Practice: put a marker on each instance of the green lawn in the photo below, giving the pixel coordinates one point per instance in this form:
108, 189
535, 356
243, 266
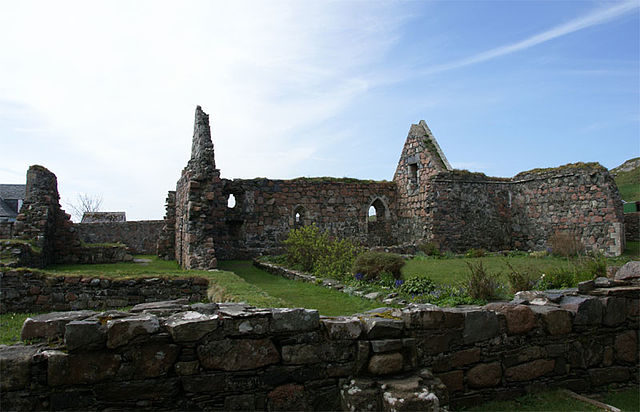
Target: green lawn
300, 294
10, 327
629, 185
626, 400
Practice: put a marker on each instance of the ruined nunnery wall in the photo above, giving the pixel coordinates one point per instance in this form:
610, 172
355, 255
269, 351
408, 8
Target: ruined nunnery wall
427, 201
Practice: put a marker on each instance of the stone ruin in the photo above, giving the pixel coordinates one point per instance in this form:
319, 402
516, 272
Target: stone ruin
176, 356
427, 201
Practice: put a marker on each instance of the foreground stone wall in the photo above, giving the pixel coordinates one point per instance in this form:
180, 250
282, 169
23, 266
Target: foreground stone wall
6, 230
171, 355
140, 237
632, 226
28, 291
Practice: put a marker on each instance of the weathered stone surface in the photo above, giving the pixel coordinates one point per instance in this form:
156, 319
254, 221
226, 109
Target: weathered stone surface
139, 390
288, 320
423, 316
187, 368
480, 325
454, 380
360, 395
386, 363
626, 347
238, 354
121, 331
191, 326
247, 325
343, 328
81, 368
301, 354
588, 310
85, 335
615, 311
166, 305
289, 397
520, 355
556, 321
409, 394
485, 375
629, 271
606, 376
15, 366
380, 328
520, 319
530, 370
50, 325
386, 345
240, 403
154, 359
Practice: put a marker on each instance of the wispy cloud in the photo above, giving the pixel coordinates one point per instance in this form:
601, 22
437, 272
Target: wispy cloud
596, 17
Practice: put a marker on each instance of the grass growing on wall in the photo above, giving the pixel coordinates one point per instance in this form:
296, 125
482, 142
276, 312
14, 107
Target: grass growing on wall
300, 294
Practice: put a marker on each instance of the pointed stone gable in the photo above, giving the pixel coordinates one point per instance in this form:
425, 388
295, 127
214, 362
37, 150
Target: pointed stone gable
420, 149
202, 153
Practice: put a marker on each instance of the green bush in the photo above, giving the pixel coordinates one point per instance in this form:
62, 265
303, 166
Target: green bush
475, 253
417, 285
372, 264
429, 249
558, 279
521, 279
481, 284
312, 250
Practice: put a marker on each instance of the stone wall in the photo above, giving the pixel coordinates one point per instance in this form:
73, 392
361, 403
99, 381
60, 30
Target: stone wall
632, 226
470, 210
140, 237
28, 291
166, 247
6, 230
171, 355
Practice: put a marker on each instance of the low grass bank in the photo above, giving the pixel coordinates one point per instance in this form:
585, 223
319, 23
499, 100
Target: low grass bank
299, 294
10, 327
625, 400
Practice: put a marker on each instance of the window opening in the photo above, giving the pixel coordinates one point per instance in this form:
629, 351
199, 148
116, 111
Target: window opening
413, 173
231, 201
372, 214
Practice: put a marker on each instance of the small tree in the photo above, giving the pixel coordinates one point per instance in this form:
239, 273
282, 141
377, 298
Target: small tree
84, 203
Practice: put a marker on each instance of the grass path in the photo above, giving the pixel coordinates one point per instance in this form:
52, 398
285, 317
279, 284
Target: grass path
299, 294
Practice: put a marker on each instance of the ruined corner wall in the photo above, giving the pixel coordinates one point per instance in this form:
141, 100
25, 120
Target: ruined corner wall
420, 160
166, 246
175, 356
140, 237
266, 210
470, 210
42, 220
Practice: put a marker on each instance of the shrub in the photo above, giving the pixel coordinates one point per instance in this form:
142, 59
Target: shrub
520, 279
596, 265
564, 243
336, 258
481, 284
303, 245
475, 253
558, 279
372, 264
417, 285
539, 254
429, 248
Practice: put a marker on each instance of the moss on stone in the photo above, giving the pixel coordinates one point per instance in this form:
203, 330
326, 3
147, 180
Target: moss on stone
592, 166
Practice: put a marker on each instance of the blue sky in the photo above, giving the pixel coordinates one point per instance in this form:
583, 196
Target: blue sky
103, 94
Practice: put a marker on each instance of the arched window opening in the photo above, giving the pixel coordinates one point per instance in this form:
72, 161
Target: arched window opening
373, 216
231, 201
298, 217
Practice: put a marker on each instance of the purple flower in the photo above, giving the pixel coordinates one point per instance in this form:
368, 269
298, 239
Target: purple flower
399, 283
359, 276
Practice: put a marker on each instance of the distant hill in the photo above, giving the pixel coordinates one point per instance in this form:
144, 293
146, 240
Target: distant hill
627, 177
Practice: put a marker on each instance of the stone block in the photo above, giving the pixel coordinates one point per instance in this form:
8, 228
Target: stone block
480, 325
342, 328
386, 363
290, 397
301, 354
191, 326
360, 395
485, 375
294, 320
238, 354
81, 368
454, 380
626, 347
204, 383
15, 366
606, 376
408, 394
556, 321
50, 325
529, 371
165, 389
433, 343
520, 318
423, 316
121, 331
240, 403
85, 335
246, 325
588, 310
187, 368
615, 311
386, 345
525, 354
154, 359
629, 271
380, 328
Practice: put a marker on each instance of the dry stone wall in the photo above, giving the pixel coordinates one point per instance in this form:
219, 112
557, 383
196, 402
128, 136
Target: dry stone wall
140, 237
171, 355
6, 230
632, 226
28, 291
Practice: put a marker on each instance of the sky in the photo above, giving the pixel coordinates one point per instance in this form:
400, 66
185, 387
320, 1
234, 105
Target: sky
103, 94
